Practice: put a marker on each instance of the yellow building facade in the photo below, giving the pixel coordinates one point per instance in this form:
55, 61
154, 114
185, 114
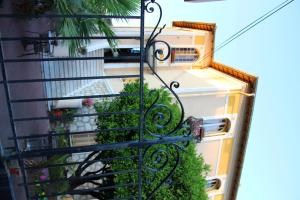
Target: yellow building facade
220, 95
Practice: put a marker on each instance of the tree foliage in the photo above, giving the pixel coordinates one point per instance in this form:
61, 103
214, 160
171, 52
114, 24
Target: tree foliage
187, 182
80, 26
86, 27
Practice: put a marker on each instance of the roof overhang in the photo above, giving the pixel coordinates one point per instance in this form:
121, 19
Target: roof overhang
245, 129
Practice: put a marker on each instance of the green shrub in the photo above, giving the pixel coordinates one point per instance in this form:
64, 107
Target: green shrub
57, 173
188, 181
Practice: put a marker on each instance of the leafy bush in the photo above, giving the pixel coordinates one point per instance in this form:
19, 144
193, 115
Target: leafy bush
57, 173
64, 115
187, 183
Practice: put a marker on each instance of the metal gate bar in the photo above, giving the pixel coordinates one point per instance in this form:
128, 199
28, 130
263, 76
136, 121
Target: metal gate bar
9, 106
11, 101
141, 125
141, 144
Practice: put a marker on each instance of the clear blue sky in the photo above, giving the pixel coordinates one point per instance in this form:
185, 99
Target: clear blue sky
271, 51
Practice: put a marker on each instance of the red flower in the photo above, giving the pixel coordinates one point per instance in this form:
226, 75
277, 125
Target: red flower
14, 171
57, 113
88, 102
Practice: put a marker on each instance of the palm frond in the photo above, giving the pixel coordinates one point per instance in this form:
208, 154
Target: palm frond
113, 7
105, 28
78, 27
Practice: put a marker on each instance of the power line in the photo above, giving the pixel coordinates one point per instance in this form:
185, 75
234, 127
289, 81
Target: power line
253, 24
255, 21
250, 26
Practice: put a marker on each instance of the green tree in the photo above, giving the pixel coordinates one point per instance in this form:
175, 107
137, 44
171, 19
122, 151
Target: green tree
188, 181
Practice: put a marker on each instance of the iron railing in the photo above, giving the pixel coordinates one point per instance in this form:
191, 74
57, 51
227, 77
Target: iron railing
71, 69
84, 182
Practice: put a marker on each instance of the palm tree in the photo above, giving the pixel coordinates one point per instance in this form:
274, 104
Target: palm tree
86, 27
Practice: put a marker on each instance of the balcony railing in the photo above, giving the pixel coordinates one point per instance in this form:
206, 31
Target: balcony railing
34, 142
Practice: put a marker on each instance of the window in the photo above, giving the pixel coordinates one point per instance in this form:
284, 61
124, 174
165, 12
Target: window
120, 56
214, 127
201, 128
213, 184
183, 55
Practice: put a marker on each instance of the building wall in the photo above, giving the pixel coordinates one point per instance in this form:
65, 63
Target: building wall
18, 28
236, 143
71, 69
201, 40
207, 94
220, 151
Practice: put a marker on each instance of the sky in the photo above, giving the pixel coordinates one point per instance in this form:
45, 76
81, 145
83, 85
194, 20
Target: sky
270, 50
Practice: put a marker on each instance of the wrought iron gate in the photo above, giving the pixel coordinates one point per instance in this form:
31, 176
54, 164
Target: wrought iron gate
151, 152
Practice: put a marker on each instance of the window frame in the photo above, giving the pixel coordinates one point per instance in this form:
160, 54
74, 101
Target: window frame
216, 185
218, 121
181, 50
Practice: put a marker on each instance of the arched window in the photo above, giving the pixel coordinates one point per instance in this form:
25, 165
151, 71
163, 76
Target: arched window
213, 127
213, 184
184, 55
201, 128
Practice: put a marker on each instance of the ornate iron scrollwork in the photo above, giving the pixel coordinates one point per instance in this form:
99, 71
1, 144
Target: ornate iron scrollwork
160, 115
174, 84
161, 157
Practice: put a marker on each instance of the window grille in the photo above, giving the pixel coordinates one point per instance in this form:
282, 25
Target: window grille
184, 55
215, 127
213, 184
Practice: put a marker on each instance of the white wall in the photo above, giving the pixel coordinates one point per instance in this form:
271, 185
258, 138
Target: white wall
67, 69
